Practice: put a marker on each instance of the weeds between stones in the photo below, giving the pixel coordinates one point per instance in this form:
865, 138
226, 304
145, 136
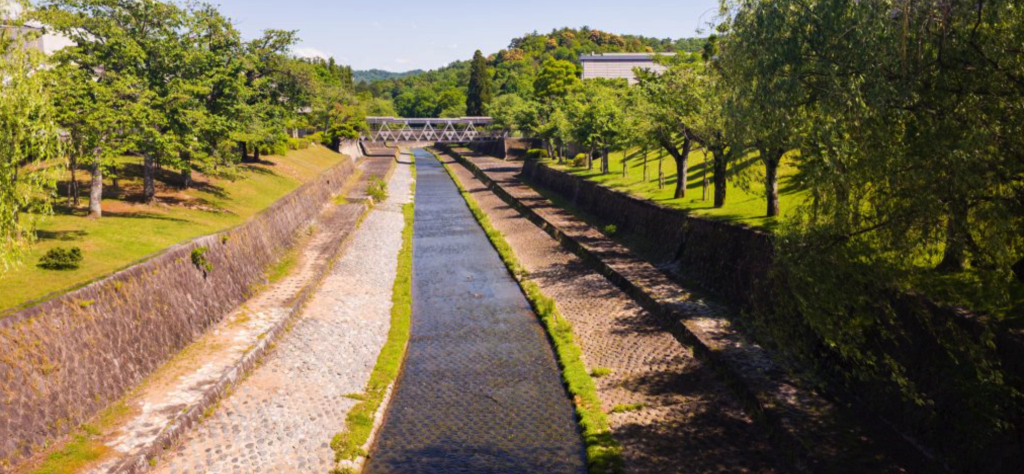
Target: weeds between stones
604, 455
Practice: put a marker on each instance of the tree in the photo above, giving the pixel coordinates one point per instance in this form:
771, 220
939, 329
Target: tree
480, 88
29, 146
675, 107
556, 80
596, 114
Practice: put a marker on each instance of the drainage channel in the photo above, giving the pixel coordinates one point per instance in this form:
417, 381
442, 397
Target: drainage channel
480, 390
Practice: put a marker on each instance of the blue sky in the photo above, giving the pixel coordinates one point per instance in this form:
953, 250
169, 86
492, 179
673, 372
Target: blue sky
399, 35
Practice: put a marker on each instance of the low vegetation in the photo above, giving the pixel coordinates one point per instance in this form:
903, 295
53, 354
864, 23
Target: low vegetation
604, 455
61, 258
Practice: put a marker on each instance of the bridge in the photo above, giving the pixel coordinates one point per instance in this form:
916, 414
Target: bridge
436, 130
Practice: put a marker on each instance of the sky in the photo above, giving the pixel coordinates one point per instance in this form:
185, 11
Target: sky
401, 35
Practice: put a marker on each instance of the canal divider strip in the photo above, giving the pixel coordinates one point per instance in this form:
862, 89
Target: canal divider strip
142, 459
604, 454
353, 445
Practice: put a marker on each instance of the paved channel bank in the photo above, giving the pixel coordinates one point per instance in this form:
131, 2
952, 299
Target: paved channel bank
480, 390
283, 416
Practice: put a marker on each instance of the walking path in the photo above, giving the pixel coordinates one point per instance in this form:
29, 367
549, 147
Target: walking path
282, 418
480, 391
681, 418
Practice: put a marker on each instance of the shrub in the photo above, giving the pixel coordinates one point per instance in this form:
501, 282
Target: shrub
580, 160
199, 259
378, 189
298, 143
537, 153
610, 229
60, 258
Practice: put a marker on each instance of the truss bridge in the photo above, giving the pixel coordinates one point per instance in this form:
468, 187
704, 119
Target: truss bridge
436, 130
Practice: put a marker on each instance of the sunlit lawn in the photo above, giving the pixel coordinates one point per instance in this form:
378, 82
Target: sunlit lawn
130, 231
744, 204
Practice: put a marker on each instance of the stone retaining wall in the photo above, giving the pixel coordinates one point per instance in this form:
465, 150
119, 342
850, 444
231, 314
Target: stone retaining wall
64, 360
736, 263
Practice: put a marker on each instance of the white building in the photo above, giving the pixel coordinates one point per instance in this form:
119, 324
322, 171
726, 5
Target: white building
46, 43
619, 65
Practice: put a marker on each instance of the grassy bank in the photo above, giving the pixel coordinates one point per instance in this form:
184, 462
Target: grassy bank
348, 445
131, 230
604, 455
745, 200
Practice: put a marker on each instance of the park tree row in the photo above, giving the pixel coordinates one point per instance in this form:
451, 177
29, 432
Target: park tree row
174, 85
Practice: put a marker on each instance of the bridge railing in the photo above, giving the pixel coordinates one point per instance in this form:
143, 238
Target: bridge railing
443, 130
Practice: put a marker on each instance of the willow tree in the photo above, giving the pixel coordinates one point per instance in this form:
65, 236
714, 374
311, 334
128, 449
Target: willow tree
29, 146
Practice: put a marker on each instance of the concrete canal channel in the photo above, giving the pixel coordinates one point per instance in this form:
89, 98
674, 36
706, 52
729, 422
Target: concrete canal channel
480, 390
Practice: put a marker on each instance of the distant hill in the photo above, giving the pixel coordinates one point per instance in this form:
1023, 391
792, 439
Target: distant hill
442, 91
373, 75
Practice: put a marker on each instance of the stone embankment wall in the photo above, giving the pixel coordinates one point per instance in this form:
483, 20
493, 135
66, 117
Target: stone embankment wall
64, 360
736, 263
506, 147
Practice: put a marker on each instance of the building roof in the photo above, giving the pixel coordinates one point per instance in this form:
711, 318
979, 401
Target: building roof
622, 57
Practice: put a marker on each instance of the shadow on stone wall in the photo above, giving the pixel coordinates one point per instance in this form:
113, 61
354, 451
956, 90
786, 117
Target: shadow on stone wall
64, 360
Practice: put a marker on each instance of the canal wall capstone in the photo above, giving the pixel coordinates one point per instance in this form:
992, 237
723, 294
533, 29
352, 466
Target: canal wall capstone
65, 359
737, 263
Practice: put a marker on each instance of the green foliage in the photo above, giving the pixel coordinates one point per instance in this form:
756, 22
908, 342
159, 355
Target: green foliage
537, 153
481, 91
199, 259
623, 408
30, 136
556, 80
378, 189
600, 372
61, 258
579, 161
610, 229
373, 75
516, 70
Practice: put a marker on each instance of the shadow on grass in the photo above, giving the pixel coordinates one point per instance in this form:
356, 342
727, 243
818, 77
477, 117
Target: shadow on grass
61, 235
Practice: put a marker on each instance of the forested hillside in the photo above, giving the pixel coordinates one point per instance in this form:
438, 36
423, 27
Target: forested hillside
373, 75
442, 92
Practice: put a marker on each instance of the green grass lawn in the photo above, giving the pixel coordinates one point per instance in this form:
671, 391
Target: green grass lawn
130, 231
747, 206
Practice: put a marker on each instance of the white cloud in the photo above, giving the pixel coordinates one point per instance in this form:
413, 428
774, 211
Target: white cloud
402, 61
310, 53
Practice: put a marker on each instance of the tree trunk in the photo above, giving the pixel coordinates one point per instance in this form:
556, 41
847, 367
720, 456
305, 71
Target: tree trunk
186, 170
661, 173
682, 168
625, 162
771, 159
148, 182
721, 164
954, 257
242, 148
646, 176
704, 179
590, 159
73, 193
605, 166
256, 154
96, 190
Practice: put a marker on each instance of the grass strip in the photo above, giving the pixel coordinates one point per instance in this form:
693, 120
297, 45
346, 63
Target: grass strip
604, 455
348, 444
